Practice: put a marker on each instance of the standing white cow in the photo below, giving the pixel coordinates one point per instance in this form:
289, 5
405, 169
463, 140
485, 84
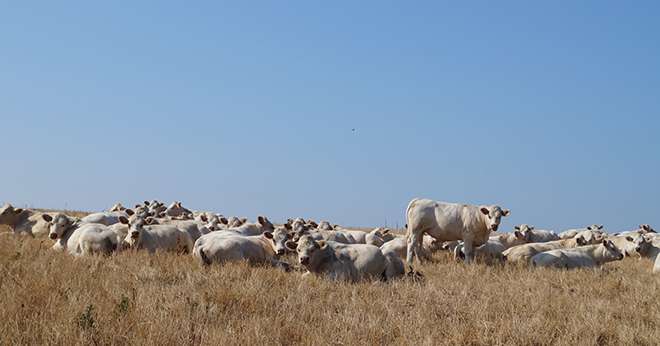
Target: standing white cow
450, 221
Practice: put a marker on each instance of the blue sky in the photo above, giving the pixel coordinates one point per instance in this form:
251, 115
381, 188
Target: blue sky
247, 108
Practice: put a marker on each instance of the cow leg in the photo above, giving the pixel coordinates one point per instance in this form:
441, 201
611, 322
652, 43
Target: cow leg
468, 250
414, 245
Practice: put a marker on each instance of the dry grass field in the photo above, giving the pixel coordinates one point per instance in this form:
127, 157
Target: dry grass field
166, 299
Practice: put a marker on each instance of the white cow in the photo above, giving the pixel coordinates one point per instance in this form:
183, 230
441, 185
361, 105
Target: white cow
580, 257
156, 237
78, 238
450, 221
106, 218
223, 246
648, 246
378, 236
524, 253
399, 245
177, 210
495, 246
345, 262
23, 221
536, 235
262, 225
195, 229
624, 243
643, 229
117, 207
571, 233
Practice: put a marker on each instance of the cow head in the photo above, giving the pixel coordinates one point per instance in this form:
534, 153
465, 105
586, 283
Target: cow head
379, 236
216, 223
325, 226
594, 228
643, 244
58, 224
234, 222
591, 237
117, 207
493, 216
9, 214
309, 251
135, 229
278, 239
266, 225
646, 228
611, 251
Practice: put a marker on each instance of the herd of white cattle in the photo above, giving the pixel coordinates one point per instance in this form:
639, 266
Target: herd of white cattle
330, 250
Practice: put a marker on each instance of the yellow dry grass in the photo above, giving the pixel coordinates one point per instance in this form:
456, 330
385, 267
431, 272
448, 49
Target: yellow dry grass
167, 299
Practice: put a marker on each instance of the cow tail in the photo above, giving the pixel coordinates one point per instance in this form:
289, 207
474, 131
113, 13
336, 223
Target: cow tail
410, 205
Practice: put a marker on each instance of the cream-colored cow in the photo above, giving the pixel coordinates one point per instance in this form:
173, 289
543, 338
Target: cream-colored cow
450, 221
580, 257
345, 262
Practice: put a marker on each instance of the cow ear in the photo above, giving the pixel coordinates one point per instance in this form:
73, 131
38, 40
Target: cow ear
321, 244
336, 227
387, 230
517, 228
600, 226
484, 211
268, 235
123, 220
47, 217
507, 212
287, 226
129, 212
260, 220
606, 243
291, 245
18, 211
518, 235
629, 238
589, 228
146, 203
223, 220
204, 218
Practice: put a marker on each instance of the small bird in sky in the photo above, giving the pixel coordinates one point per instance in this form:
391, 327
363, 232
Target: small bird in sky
353, 130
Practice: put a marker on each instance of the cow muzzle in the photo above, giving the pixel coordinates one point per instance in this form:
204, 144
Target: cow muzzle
280, 252
52, 236
304, 260
494, 228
